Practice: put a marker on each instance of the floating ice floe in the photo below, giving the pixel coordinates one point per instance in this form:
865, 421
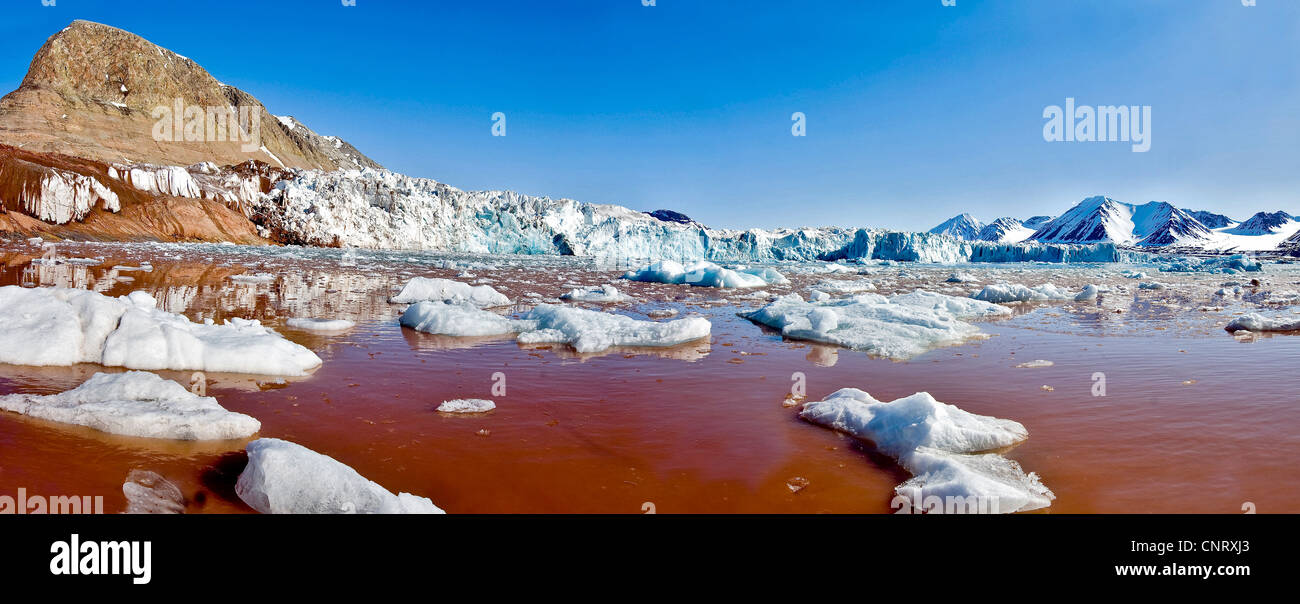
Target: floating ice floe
320, 325
705, 274
136, 403
1015, 292
603, 293
469, 405
1151, 285
462, 319
592, 331
149, 493
80, 326
1259, 322
287, 478
1035, 364
962, 278
1239, 263
937, 443
424, 289
898, 327
1089, 292
846, 286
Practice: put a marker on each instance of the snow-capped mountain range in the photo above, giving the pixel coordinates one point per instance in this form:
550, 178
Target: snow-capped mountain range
1154, 225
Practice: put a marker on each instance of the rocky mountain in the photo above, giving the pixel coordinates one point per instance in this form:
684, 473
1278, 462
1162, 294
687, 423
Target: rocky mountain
1099, 219
962, 226
1034, 222
1263, 223
671, 216
1211, 220
100, 93
1005, 230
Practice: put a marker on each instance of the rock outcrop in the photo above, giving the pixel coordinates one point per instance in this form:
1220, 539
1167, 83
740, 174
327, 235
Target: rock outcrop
98, 92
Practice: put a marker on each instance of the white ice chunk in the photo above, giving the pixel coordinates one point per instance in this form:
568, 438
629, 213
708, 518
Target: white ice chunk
846, 286
603, 293
936, 441
320, 325
421, 289
287, 478
992, 483
136, 403
901, 426
1259, 322
1014, 292
705, 274
468, 405
462, 320
593, 331
80, 326
899, 327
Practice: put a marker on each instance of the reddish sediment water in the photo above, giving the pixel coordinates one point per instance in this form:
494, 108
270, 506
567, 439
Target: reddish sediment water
1193, 419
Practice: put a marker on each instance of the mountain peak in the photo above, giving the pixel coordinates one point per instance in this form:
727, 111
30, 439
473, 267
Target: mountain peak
94, 91
961, 226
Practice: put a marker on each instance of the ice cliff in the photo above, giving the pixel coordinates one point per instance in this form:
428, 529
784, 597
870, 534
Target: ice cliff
379, 209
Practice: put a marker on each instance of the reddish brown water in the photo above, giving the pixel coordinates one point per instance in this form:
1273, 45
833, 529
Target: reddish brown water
1194, 420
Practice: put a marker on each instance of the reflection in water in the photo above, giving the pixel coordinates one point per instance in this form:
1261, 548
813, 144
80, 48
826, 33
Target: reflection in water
822, 355
611, 431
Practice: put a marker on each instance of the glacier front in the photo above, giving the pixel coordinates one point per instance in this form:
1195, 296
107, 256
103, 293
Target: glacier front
379, 209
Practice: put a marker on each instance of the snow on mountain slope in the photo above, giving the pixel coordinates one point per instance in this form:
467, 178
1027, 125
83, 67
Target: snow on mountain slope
1034, 222
1261, 232
1005, 230
1099, 218
962, 226
1160, 223
378, 209
1263, 223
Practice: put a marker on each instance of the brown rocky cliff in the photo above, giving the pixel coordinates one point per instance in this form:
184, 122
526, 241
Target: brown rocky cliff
92, 91
142, 216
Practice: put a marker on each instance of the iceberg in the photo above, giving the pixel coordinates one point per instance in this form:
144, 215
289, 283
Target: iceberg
320, 325
993, 483
592, 331
1014, 292
136, 403
1237, 263
149, 493
1259, 322
845, 286
705, 274
80, 326
898, 327
422, 289
937, 443
900, 427
461, 320
288, 478
603, 294
469, 405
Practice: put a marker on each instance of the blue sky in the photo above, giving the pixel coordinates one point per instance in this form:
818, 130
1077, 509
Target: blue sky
915, 111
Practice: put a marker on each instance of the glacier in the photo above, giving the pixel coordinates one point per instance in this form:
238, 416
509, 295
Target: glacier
383, 210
